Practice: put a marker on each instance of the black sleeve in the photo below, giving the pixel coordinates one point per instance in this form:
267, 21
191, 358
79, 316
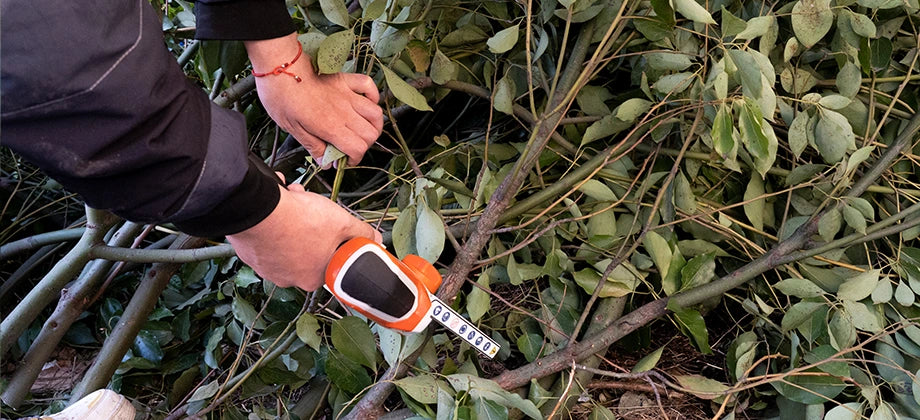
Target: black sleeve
105, 110
242, 19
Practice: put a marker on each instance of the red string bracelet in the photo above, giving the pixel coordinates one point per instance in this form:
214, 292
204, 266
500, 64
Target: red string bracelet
282, 69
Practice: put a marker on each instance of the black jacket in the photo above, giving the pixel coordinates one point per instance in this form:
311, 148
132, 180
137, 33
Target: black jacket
91, 95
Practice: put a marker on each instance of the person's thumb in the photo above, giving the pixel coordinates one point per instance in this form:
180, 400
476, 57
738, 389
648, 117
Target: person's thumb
364, 230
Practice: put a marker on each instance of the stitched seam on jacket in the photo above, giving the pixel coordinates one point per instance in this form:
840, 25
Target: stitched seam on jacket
140, 34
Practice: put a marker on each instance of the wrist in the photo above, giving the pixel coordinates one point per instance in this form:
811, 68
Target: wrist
267, 54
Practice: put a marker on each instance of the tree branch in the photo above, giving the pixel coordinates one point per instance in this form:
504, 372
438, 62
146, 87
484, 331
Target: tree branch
42, 239
73, 302
161, 255
98, 223
135, 315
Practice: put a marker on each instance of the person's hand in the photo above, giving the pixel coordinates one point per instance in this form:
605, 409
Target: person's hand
339, 109
294, 244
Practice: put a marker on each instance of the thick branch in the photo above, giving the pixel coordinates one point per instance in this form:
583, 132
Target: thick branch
235, 92
73, 302
98, 223
32, 242
161, 255
135, 315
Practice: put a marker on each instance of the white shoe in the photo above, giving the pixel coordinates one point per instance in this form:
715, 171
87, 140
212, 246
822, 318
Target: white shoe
103, 404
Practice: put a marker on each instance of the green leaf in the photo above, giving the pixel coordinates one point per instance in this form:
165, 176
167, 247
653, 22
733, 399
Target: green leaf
374, 9
880, 54
246, 314
408, 94
810, 387
335, 11
849, 80
800, 288
390, 344
206, 391
333, 52
798, 139
903, 294
693, 11
890, 361
834, 102
863, 206
799, 313
307, 325
864, 319
752, 130
830, 224
591, 100
731, 24
422, 388
811, 20
489, 390
859, 287
791, 50
632, 109
883, 292
858, 157
465, 35
823, 356
607, 126
597, 190
692, 321
841, 330
798, 80
621, 281
648, 362
446, 405
245, 277
429, 233
854, 219
701, 386
346, 374
530, 345
756, 27
668, 61
489, 410
658, 248
698, 271
147, 346
749, 72
478, 300
862, 25
673, 84
722, 127
504, 95
602, 229
755, 207
232, 57
503, 40
684, 198
848, 411
404, 231
443, 69
354, 339
212, 347
915, 387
